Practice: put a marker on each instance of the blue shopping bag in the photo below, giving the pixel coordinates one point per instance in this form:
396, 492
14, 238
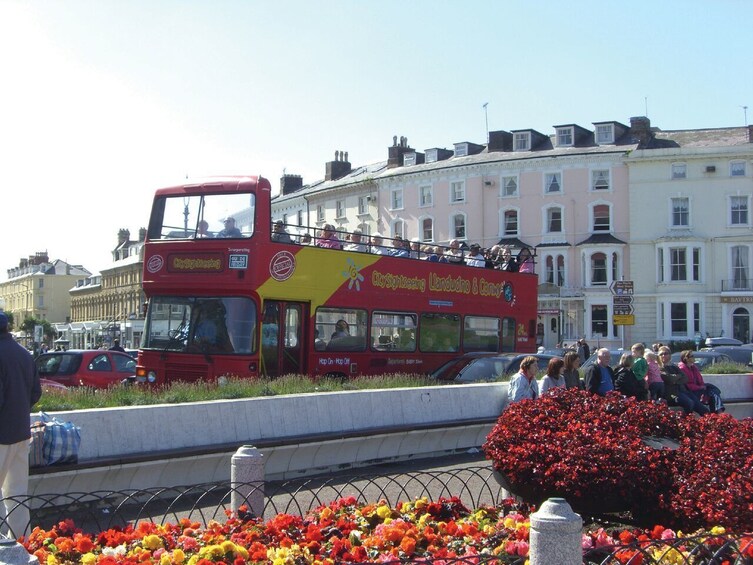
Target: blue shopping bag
61, 441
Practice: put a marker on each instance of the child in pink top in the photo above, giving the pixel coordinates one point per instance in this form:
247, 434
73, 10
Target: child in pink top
653, 376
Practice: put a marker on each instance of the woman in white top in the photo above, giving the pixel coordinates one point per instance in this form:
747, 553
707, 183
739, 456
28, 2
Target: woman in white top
554, 375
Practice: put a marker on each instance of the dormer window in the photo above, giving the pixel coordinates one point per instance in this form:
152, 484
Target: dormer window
564, 137
522, 141
461, 149
409, 159
604, 134
432, 155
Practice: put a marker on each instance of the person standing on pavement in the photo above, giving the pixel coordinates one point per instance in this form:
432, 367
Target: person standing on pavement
19, 391
116, 346
599, 377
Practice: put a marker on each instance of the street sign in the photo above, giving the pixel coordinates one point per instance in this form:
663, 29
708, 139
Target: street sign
623, 319
619, 310
621, 287
622, 300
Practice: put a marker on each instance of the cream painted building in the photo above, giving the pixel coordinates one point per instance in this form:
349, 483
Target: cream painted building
692, 235
39, 288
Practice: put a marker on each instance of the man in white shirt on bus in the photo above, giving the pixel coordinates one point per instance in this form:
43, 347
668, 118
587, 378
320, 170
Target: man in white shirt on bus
356, 242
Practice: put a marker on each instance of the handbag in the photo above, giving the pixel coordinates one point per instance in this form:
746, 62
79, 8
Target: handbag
36, 445
61, 441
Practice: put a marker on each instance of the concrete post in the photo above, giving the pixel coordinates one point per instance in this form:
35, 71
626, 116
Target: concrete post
247, 480
13, 553
556, 534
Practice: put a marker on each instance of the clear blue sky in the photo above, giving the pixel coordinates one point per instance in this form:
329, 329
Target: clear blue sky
105, 100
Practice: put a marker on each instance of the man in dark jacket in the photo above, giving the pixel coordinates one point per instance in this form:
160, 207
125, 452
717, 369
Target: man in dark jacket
599, 377
19, 391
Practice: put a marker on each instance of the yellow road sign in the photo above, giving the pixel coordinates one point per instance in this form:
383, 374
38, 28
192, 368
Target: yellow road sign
624, 320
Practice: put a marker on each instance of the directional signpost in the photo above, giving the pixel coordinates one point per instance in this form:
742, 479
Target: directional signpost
622, 303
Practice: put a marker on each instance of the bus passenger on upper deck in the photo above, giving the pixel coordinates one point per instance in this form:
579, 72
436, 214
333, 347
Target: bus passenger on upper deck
525, 261
356, 242
327, 238
230, 230
203, 230
475, 258
399, 249
279, 234
376, 245
415, 249
454, 254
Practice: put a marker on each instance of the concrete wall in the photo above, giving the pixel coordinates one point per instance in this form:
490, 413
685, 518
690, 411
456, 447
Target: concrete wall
144, 429
108, 433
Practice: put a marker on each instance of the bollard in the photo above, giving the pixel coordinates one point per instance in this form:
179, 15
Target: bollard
556, 534
247, 480
13, 553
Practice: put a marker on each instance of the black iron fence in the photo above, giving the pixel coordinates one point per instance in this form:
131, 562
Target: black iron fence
475, 486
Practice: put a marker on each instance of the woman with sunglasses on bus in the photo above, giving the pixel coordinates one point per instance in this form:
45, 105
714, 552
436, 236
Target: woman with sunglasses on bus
676, 385
705, 393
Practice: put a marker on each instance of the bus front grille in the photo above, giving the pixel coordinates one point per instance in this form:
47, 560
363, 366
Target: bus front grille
185, 372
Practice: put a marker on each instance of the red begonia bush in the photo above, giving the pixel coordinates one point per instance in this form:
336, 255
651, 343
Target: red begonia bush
596, 452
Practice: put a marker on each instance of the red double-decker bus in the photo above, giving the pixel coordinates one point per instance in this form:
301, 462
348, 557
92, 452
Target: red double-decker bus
224, 298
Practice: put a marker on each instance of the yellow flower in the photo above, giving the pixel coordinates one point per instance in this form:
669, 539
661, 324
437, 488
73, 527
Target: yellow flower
384, 511
52, 560
421, 502
164, 559
88, 558
194, 560
228, 546
718, 530
152, 542
212, 552
422, 520
179, 556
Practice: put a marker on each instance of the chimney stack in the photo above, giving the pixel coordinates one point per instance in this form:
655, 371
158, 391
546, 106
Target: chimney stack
640, 130
290, 183
750, 134
397, 151
142, 235
123, 236
339, 167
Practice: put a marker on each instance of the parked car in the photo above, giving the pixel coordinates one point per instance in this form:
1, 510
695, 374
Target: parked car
704, 359
742, 355
132, 352
86, 367
485, 367
717, 341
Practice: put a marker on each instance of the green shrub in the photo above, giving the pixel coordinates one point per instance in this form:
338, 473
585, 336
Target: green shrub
83, 398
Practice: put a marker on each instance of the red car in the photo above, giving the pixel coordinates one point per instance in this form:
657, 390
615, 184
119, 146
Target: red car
95, 368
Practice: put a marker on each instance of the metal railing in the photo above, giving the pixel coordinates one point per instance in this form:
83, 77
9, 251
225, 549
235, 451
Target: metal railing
731, 285
475, 486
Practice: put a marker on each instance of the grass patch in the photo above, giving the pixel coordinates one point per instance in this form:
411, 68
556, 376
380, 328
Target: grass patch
83, 398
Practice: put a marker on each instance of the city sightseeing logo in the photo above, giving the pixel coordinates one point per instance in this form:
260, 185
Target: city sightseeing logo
354, 277
282, 266
155, 263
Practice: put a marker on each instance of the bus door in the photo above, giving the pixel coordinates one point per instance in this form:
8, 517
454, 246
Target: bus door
282, 338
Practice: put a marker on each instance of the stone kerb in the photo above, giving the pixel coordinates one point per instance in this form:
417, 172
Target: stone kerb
143, 429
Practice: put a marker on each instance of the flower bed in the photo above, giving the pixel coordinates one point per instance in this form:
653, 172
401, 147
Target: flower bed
345, 531
593, 450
